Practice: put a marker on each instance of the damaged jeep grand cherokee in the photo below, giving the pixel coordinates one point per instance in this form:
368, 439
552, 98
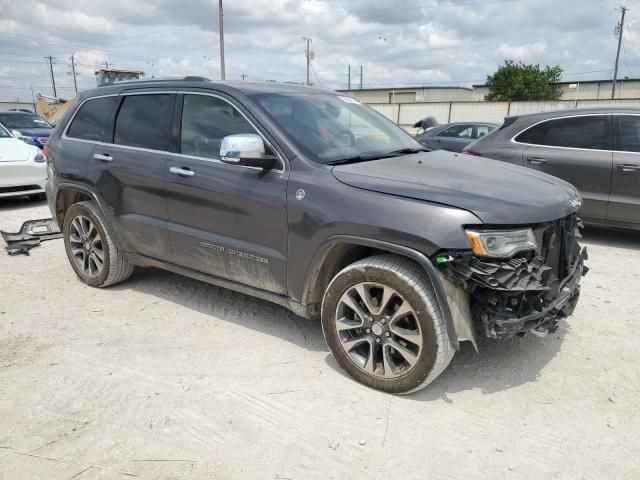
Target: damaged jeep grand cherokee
316, 202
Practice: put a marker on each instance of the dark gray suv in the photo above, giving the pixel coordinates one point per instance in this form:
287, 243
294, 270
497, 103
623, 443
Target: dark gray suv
315, 202
596, 150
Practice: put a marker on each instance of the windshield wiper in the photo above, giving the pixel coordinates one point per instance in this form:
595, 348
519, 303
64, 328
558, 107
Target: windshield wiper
377, 156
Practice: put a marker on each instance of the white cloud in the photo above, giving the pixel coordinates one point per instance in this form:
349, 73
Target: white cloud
427, 41
526, 52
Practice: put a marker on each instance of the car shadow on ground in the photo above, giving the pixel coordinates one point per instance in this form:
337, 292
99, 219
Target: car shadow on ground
10, 204
615, 238
228, 306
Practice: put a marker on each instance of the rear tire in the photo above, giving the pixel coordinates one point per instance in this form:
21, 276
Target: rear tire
383, 325
90, 248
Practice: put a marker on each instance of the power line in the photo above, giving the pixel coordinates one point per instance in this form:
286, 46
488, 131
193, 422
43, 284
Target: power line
76, 45
316, 74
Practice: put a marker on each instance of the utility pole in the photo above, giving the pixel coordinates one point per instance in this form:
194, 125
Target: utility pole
73, 72
221, 28
361, 77
619, 30
53, 80
309, 54
349, 75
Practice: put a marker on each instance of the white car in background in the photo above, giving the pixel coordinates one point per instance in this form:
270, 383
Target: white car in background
22, 168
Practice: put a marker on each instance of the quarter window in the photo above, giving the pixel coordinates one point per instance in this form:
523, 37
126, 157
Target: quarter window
627, 137
573, 132
145, 121
90, 123
206, 120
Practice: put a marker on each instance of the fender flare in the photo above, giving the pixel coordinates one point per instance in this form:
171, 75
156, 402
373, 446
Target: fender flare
408, 252
84, 189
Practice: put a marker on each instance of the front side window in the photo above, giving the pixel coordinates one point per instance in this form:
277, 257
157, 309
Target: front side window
144, 121
589, 131
206, 120
90, 123
4, 133
328, 128
457, 131
627, 136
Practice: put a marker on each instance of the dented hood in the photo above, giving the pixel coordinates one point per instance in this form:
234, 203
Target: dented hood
496, 192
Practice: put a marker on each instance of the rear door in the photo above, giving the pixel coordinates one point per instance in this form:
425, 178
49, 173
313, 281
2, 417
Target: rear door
226, 220
624, 202
576, 149
129, 171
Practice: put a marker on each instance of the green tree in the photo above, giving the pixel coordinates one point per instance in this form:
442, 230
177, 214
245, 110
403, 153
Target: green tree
517, 81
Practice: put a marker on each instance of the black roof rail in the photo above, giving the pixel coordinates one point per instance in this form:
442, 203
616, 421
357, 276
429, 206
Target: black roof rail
188, 78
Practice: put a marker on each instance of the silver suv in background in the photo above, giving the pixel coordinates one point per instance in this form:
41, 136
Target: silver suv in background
596, 150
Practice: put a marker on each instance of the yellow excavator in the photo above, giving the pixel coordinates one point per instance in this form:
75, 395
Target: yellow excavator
51, 112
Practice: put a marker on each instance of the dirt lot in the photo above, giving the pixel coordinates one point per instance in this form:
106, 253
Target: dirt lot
165, 377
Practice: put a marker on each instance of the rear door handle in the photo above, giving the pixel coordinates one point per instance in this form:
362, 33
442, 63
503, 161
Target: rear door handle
183, 172
536, 160
103, 157
628, 168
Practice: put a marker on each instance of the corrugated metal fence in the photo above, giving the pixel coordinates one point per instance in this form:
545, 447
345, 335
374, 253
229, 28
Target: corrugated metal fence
406, 114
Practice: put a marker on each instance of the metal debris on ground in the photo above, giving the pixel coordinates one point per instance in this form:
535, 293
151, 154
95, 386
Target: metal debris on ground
31, 234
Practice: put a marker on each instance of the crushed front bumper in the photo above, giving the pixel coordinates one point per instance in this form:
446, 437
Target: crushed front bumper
529, 293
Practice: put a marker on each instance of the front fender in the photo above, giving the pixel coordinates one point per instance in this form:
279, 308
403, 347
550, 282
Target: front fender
438, 287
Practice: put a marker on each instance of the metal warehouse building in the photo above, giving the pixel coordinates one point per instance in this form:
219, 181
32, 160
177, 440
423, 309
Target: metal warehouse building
585, 90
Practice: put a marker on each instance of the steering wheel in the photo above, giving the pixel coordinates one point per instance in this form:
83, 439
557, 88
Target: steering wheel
339, 134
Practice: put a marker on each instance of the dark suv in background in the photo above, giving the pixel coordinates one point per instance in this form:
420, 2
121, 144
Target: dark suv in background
596, 150
318, 203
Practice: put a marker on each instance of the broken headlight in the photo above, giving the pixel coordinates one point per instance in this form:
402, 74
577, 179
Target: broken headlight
501, 243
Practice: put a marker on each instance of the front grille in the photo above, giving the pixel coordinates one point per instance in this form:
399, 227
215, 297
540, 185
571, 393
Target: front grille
21, 188
559, 245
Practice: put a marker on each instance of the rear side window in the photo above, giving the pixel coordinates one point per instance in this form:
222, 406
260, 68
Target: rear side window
145, 121
90, 123
574, 132
627, 137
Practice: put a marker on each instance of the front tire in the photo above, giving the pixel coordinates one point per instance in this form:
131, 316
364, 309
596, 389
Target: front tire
383, 325
90, 247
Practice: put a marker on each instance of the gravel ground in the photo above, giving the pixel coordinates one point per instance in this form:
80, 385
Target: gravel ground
164, 377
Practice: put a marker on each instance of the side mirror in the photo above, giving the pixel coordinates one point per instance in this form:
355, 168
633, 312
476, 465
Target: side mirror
17, 134
246, 149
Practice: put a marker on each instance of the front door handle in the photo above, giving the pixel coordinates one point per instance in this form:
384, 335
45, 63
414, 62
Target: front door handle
536, 160
183, 172
103, 157
628, 168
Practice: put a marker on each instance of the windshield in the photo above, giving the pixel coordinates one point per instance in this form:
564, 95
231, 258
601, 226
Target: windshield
4, 133
329, 128
22, 120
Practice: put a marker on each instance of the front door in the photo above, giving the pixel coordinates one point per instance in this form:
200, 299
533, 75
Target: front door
225, 220
577, 150
624, 202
